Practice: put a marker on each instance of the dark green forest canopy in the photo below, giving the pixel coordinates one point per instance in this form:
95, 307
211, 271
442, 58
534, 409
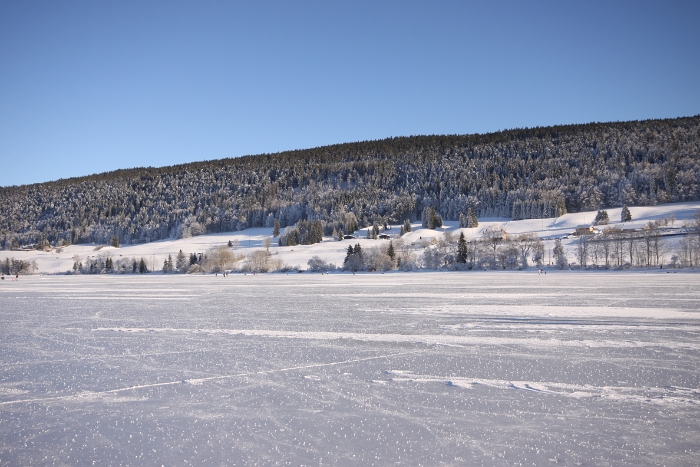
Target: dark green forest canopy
521, 173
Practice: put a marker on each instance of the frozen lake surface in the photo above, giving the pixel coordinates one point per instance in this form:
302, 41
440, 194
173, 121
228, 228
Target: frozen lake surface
407, 369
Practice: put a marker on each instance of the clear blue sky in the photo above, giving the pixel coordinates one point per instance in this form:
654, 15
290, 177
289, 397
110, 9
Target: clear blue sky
87, 87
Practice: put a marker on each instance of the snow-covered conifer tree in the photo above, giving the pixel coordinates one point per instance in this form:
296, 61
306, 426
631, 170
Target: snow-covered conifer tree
462, 249
625, 214
472, 220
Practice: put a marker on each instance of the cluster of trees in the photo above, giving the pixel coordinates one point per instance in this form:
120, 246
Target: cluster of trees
430, 218
17, 266
303, 233
215, 260
470, 220
382, 258
524, 173
105, 264
494, 249
648, 247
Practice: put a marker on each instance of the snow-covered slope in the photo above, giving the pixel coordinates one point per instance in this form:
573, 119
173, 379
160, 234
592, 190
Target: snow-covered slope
333, 251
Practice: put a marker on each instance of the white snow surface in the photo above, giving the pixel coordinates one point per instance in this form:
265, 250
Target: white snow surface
334, 252
490, 368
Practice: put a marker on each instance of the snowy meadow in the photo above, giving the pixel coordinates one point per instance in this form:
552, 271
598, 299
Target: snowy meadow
369, 369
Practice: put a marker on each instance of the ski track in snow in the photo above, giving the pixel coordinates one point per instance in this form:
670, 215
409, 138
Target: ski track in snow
93, 394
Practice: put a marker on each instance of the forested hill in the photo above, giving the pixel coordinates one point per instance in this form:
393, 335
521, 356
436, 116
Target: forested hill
524, 173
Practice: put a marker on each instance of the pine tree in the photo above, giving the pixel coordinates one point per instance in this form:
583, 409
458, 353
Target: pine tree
407, 226
355, 261
341, 235
561, 207
276, 229
114, 241
625, 215
316, 231
349, 254
602, 218
390, 252
168, 265
292, 237
180, 261
472, 220
142, 266
462, 249
358, 250
428, 218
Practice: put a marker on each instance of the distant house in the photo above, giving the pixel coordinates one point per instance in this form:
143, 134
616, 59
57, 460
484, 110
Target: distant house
384, 236
495, 233
349, 237
584, 230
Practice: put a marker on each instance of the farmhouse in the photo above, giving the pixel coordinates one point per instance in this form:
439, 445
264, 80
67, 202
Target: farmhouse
584, 230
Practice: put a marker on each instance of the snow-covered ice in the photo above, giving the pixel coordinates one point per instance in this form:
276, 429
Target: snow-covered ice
368, 369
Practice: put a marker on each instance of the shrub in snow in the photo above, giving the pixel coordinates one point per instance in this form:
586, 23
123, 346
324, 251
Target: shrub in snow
316, 264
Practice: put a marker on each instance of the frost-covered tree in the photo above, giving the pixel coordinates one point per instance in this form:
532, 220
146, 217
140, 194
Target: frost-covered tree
168, 265
266, 243
538, 252
317, 264
259, 261
219, 259
559, 255
390, 251
561, 207
625, 214
276, 229
354, 260
472, 220
525, 243
462, 251
582, 250
601, 218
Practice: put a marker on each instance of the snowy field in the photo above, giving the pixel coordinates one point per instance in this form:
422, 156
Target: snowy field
376, 369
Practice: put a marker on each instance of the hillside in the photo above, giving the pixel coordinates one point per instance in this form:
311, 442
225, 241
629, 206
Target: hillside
412, 246
517, 174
